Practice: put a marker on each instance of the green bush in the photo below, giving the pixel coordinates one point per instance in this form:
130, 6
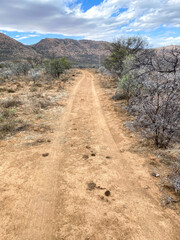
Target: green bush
120, 50
57, 66
128, 85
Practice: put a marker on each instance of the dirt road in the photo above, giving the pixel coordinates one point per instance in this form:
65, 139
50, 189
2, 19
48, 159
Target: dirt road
63, 196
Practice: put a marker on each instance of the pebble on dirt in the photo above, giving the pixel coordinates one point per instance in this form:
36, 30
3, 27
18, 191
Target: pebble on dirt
45, 154
155, 174
107, 193
91, 186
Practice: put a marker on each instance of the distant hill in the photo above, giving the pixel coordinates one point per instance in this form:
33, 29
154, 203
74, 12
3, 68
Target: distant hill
10, 49
81, 52
169, 47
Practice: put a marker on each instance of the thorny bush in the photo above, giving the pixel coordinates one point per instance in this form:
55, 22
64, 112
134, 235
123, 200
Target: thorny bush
156, 101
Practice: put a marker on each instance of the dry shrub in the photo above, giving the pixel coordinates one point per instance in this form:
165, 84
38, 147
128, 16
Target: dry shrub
175, 176
43, 128
44, 104
154, 98
33, 89
64, 78
38, 85
3, 89
11, 90
39, 102
9, 123
11, 102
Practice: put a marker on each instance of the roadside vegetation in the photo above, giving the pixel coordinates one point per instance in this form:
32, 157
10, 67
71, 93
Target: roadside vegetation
28, 89
57, 67
149, 81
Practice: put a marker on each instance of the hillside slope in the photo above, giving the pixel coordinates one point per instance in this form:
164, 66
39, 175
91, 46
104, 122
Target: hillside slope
10, 49
82, 51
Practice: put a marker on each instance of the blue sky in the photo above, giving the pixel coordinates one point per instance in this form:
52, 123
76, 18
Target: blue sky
29, 21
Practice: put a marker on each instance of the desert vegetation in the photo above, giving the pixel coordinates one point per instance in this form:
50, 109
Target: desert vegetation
149, 81
27, 90
57, 66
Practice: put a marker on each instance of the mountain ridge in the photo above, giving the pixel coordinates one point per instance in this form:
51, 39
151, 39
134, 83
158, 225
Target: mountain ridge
10, 49
78, 51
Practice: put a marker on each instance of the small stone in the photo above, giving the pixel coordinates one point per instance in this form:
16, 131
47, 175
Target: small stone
88, 147
45, 154
48, 140
147, 187
101, 188
40, 140
155, 174
91, 186
107, 193
85, 156
108, 157
93, 154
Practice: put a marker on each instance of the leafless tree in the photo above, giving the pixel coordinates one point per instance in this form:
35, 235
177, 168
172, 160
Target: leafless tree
20, 68
157, 101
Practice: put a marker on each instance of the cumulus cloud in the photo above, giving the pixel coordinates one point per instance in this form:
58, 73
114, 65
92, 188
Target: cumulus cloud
102, 22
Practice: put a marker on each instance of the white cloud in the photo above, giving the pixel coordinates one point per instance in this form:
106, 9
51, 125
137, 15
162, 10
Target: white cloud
21, 38
18, 37
170, 41
102, 22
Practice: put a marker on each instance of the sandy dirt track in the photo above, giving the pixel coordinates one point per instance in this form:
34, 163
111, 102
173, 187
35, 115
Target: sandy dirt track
62, 196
